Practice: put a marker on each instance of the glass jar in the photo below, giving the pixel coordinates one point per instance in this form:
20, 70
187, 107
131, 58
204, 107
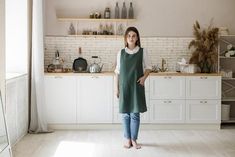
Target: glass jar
107, 13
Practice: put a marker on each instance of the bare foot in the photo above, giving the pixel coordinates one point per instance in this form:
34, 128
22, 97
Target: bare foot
128, 144
135, 144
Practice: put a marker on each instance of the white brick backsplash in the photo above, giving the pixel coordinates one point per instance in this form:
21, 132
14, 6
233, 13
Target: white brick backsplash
170, 48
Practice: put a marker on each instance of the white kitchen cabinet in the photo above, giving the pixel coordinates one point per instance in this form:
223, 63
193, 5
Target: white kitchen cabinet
167, 87
94, 99
91, 99
60, 97
167, 111
203, 87
203, 111
200, 104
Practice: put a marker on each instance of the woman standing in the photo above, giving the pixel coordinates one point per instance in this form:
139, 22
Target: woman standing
133, 67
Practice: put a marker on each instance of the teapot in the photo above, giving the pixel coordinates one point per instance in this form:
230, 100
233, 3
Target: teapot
95, 67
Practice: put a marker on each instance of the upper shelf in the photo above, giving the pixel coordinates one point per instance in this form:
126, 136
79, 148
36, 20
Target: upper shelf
229, 35
226, 57
94, 20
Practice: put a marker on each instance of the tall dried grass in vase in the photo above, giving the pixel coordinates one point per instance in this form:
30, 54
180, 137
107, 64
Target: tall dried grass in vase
205, 47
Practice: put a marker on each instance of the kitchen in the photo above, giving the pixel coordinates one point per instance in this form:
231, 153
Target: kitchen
84, 121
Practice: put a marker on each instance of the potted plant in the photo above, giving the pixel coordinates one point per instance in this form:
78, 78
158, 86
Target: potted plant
205, 45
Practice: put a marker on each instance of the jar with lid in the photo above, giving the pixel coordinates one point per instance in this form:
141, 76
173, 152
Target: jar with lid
107, 13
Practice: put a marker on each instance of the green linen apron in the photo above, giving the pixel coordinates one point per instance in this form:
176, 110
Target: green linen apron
131, 93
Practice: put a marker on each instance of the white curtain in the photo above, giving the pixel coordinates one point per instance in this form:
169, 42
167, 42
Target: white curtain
38, 121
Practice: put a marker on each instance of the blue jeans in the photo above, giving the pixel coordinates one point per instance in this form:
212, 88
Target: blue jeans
131, 123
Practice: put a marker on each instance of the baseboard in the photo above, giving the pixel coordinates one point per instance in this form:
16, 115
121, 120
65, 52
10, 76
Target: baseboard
142, 126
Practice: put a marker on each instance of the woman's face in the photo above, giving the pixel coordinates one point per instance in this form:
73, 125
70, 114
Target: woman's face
132, 38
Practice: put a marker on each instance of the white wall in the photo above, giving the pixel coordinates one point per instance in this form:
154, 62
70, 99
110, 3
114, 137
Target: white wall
16, 36
172, 49
154, 17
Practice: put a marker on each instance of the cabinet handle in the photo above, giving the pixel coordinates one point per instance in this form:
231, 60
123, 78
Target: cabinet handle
203, 77
169, 101
58, 77
203, 102
169, 77
165, 77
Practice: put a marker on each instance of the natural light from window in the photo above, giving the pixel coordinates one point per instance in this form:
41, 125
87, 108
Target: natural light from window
16, 36
75, 149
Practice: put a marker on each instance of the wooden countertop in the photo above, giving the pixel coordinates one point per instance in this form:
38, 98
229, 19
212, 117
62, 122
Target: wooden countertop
184, 74
108, 73
105, 73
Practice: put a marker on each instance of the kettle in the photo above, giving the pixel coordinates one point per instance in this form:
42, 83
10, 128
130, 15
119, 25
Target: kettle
95, 67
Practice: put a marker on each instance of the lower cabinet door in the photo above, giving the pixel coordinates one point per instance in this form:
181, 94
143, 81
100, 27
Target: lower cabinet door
203, 111
94, 99
60, 97
167, 111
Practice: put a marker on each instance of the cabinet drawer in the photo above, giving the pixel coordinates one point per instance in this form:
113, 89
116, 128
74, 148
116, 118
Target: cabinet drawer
203, 111
168, 111
167, 87
203, 87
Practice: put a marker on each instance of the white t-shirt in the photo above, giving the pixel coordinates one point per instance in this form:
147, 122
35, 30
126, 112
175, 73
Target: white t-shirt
146, 60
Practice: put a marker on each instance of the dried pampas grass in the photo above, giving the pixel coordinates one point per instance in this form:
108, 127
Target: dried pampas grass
205, 45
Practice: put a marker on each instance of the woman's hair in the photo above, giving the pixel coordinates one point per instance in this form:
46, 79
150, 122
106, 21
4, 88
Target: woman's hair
129, 29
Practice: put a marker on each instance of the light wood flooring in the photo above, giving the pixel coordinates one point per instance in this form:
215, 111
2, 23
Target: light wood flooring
109, 143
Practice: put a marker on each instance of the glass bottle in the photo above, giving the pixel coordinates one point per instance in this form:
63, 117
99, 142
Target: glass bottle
124, 11
107, 13
71, 29
131, 12
117, 11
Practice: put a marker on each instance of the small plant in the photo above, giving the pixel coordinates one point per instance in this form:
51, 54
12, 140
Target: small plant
205, 45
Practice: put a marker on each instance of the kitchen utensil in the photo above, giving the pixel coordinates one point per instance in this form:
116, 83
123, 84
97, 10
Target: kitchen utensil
58, 62
51, 68
80, 64
95, 67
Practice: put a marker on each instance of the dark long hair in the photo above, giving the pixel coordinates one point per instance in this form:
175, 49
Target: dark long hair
137, 33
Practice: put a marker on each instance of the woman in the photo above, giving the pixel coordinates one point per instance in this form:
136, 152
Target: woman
133, 67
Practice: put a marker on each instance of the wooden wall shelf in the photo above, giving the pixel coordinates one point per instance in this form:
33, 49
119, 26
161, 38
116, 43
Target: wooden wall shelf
94, 20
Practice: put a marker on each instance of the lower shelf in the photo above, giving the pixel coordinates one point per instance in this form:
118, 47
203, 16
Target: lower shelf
228, 99
231, 120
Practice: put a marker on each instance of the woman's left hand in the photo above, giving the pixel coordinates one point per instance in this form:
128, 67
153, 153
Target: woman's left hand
141, 80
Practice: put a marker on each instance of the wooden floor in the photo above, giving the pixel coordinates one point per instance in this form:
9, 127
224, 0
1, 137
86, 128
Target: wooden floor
109, 143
